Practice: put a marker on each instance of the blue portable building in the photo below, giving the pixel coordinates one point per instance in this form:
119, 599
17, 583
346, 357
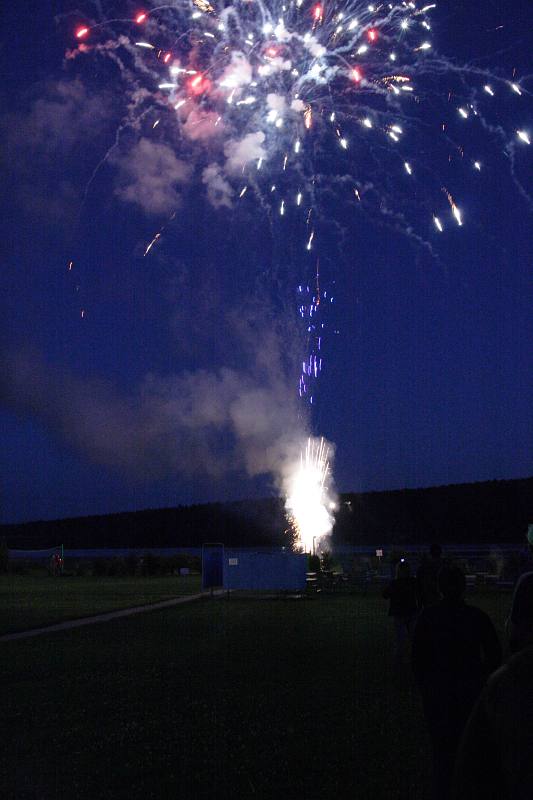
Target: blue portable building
264, 571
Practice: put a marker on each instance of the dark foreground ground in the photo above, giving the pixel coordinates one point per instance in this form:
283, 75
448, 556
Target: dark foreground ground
217, 699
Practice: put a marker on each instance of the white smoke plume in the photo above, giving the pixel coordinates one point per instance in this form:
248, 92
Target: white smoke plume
202, 125
219, 191
204, 422
149, 176
276, 102
239, 152
237, 73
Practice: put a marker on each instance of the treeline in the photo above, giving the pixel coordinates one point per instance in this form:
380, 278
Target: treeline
493, 511
259, 523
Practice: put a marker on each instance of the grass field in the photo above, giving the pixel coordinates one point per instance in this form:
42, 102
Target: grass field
218, 699
28, 601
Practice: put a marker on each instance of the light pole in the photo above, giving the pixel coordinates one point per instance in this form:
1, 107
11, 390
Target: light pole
314, 537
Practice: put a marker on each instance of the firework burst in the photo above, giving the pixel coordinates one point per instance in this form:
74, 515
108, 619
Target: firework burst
279, 105
311, 501
276, 102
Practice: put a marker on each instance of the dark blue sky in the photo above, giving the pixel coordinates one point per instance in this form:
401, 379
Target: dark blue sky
428, 358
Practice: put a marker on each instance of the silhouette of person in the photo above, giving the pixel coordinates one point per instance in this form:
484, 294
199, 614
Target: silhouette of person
455, 648
495, 761
403, 608
427, 576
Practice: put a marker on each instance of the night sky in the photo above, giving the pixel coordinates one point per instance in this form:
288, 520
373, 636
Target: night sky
133, 381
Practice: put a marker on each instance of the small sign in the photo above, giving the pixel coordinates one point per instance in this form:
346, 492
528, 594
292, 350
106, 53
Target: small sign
233, 562
379, 553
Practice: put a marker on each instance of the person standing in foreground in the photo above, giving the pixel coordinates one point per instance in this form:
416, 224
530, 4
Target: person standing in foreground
403, 608
495, 758
455, 648
427, 576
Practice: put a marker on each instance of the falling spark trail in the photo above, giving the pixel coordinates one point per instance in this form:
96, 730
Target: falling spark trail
154, 240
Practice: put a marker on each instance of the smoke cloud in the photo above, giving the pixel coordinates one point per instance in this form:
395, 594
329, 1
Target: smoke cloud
239, 152
238, 72
149, 176
43, 174
206, 422
219, 191
202, 125
276, 102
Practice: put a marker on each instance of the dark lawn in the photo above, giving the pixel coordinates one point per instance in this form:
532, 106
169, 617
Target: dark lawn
217, 699
31, 601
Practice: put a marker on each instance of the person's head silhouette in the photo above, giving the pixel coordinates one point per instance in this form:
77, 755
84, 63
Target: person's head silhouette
452, 582
403, 570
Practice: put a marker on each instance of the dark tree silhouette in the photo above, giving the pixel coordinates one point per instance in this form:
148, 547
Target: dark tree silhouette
494, 511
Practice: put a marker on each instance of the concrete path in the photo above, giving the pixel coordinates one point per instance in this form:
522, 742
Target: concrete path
124, 612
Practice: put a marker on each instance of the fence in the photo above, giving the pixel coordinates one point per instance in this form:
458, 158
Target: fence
503, 561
